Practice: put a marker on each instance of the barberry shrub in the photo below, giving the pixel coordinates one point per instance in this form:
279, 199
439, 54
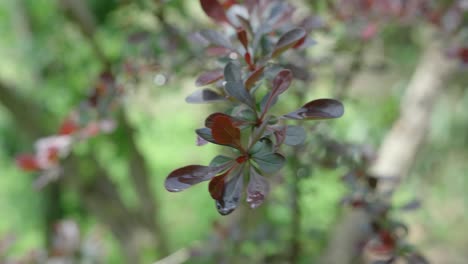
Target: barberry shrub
256, 34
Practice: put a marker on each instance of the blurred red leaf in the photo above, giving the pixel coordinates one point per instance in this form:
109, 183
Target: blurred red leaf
68, 127
214, 10
27, 162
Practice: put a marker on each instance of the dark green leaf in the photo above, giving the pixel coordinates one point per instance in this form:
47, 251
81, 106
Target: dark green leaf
220, 160
269, 163
232, 72
238, 91
295, 135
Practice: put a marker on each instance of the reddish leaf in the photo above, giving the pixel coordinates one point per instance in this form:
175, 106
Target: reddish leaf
288, 40
299, 43
318, 109
228, 3
463, 55
254, 77
257, 189
68, 127
242, 37
217, 51
214, 10
210, 120
248, 60
27, 162
216, 186
281, 83
224, 132
187, 176
209, 77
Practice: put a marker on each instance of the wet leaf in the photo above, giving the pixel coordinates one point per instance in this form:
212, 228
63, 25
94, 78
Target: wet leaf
27, 162
295, 135
187, 176
224, 132
257, 189
209, 77
204, 96
231, 186
288, 40
214, 10
318, 109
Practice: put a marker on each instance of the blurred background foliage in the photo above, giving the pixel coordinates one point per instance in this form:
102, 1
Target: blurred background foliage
50, 62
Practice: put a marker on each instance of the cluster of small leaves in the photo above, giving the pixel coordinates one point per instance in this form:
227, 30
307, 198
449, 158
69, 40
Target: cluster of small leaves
388, 235
91, 118
262, 31
68, 245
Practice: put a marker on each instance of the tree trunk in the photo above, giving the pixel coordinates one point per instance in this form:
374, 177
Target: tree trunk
399, 148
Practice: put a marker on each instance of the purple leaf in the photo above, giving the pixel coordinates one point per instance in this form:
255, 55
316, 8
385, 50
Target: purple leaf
257, 189
214, 10
254, 77
281, 83
318, 109
295, 135
289, 40
209, 77
187, 176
